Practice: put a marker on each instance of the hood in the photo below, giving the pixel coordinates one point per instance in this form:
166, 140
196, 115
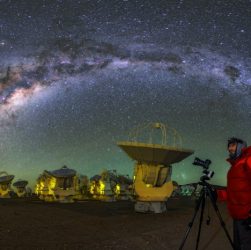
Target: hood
244, 153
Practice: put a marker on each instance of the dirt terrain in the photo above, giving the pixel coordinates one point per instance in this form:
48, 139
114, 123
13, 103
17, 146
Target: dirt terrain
87, 225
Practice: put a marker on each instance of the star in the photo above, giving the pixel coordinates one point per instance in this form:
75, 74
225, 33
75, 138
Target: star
71, 86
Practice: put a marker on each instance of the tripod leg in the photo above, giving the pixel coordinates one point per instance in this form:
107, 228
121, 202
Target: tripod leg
190, 224
223, 225
201, 219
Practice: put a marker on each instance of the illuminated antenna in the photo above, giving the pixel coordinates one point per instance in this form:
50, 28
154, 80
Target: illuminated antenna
154, 153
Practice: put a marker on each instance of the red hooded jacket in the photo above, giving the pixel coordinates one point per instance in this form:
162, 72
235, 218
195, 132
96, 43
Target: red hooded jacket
238, 193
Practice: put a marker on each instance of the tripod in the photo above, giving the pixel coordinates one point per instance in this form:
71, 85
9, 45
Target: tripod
205, 192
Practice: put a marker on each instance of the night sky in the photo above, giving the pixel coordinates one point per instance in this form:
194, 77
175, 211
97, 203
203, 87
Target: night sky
77, 76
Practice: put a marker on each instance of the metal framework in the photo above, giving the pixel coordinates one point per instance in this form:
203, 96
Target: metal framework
169, 135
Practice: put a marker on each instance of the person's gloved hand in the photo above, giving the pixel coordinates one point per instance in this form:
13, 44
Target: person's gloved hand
221, 194
247, 223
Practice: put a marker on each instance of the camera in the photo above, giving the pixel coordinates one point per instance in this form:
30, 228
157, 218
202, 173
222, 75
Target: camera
207, 174
198, 162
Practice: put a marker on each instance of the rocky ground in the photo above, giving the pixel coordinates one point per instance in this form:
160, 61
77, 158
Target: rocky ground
87, 225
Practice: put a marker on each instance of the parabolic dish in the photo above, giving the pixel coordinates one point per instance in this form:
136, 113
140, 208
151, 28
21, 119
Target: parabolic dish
154, 153
63, 172
20, 183
6, 178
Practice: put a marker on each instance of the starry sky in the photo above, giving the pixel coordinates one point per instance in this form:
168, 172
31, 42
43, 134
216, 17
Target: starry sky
77, 76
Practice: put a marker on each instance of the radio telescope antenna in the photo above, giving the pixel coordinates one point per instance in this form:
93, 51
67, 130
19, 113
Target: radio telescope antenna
152, 172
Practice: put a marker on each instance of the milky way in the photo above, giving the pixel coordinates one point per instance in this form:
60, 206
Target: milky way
75, 78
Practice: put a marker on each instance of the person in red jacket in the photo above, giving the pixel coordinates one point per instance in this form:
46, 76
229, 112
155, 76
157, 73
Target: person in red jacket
238, 192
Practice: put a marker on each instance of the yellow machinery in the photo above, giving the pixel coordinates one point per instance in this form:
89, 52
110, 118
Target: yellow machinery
102, 186
21, 188
61, 185
83, 187
125, 187
5, 185
152, 171
109, 186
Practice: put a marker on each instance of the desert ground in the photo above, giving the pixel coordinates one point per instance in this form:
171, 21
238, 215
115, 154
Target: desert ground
33, 224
